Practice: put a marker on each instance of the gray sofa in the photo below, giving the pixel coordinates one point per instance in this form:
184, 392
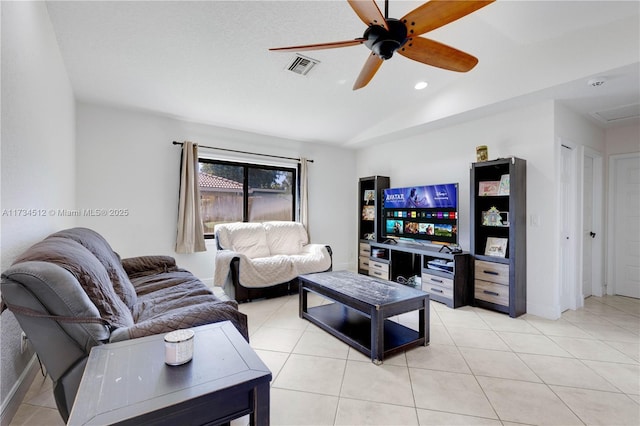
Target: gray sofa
71, 291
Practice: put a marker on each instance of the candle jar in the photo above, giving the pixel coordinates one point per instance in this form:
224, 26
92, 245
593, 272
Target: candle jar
178, 347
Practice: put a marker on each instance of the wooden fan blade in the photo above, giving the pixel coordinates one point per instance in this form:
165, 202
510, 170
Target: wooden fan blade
368, 12
437, 13
368, 71
439, 55
321, 46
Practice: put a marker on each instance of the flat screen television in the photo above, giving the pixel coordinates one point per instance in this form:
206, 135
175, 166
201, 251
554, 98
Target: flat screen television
421, 213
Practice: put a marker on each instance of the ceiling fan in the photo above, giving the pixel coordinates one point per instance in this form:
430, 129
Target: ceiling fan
384, 36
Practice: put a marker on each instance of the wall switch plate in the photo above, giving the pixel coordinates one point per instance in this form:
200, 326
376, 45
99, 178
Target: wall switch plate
23, 342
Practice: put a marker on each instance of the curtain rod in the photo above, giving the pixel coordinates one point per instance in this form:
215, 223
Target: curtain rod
246, 152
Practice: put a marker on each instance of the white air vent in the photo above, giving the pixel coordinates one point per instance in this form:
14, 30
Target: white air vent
301, 64
617, 114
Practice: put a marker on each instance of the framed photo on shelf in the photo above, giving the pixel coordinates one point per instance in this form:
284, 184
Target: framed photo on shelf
488, 188
492, 217
368, 213
496, 247
503, 188
369, 196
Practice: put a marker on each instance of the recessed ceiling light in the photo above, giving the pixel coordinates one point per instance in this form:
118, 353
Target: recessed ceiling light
420, 85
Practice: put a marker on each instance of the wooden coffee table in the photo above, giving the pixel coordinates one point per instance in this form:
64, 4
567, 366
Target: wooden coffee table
129, 383
360, 310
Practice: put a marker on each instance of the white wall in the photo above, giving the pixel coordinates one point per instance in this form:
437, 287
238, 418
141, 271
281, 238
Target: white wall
577, 129
126, 160
623, 139
38, 151
444, 155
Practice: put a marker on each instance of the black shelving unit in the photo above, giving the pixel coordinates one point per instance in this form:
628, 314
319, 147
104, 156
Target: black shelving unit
370, 219
498, 234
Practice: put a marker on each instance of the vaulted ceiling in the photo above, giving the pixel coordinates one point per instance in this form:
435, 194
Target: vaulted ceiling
208, 61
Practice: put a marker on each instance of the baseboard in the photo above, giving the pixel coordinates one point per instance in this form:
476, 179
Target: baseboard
544, 311
17, 393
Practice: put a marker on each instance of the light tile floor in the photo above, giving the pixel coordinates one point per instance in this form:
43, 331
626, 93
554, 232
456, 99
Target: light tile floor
481, 368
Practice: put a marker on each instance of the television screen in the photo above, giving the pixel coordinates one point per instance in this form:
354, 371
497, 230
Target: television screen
428, 212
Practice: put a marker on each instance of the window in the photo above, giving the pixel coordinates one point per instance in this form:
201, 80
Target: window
242, 192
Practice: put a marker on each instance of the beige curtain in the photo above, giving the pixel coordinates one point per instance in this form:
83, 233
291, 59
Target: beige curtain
304, 193
190, 230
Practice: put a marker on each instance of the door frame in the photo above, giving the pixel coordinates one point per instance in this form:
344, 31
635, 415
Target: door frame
611, 225
572, 268
597, 253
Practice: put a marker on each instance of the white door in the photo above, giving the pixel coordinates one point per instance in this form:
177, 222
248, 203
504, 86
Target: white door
625, 215
592, 229
568, 219
588, 233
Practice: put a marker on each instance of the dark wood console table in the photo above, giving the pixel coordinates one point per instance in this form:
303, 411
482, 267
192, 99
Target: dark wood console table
359, 315
128, 383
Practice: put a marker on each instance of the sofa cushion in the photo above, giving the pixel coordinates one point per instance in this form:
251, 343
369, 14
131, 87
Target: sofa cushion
176, 299
285, 237
205, 311
312, 258
249, 239
101, 249
265, 271
168, 289
89, 272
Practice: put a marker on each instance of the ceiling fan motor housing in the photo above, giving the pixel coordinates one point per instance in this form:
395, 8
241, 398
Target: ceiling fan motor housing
384, 42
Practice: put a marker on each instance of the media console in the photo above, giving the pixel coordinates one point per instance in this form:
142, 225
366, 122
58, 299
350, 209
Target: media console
445, 276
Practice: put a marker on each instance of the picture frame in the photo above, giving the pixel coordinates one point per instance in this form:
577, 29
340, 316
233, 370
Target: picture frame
369, 196
488, 188
492, 217
368, 213
505, 183
496, 247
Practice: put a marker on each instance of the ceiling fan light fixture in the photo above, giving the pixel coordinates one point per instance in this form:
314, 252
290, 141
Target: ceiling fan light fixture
385, 48
384, 36
384, 42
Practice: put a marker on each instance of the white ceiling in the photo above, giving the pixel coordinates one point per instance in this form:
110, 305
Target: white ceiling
208, 61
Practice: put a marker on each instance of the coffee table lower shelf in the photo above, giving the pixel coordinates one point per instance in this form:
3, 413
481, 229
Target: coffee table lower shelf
354, 328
